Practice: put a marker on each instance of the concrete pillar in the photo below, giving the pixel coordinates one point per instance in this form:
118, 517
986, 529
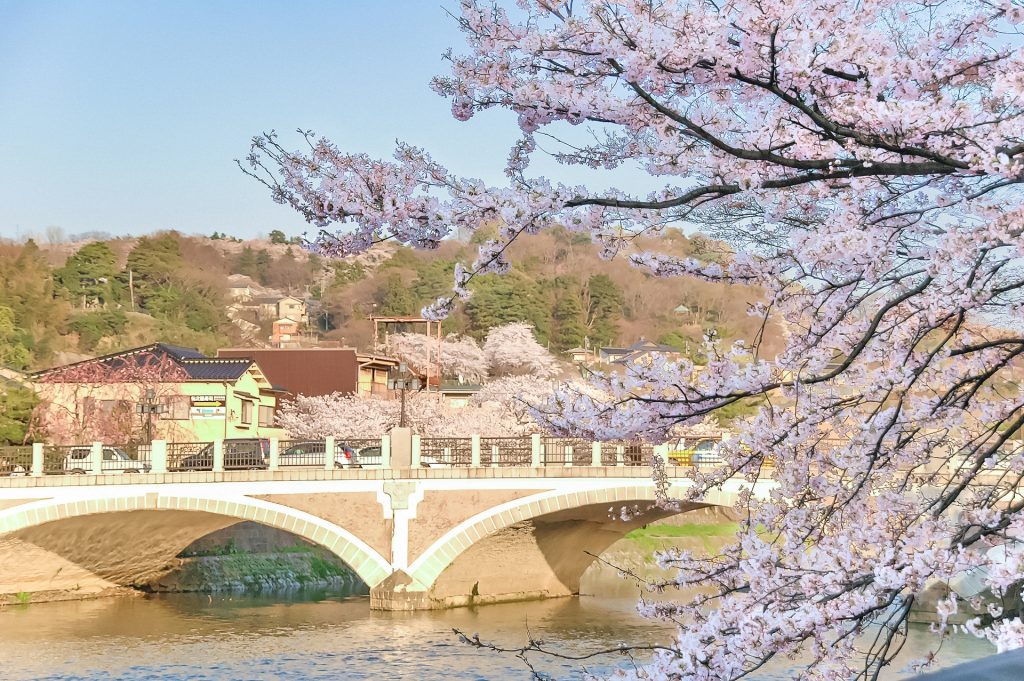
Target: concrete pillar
275, 454
495, 456
474, 445
218, 456
595, 454
385, 451
37, 459
158, 456
535, 450
415, 451
401, 448
661, 451
96, 458
620, 459
329, 453
568, 455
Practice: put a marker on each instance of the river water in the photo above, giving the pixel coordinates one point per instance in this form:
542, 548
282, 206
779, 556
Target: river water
330, 636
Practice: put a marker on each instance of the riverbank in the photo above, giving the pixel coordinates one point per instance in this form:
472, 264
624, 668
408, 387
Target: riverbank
293, 569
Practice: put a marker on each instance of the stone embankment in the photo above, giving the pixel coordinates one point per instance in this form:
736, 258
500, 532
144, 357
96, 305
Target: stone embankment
299, 569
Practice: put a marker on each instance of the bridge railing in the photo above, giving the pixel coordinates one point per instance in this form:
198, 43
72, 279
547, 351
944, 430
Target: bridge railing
506, 451
452, 452
275, 454
15, 461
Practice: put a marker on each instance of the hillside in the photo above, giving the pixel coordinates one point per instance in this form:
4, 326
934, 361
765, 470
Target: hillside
71, 299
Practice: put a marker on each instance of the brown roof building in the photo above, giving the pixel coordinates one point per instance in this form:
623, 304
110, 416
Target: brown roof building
319, 371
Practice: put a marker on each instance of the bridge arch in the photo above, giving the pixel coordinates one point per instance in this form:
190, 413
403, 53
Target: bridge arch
555, 531
161, 525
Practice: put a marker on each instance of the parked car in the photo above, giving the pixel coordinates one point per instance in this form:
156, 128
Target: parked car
371, 457
11, 469
115, 460
705, 452
312, 454
239, 453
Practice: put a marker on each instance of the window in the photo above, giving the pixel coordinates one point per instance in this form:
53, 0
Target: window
266, 416
178, 407
246, 411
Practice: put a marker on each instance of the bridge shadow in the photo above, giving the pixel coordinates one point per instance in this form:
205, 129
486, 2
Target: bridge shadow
533, 547
135, 541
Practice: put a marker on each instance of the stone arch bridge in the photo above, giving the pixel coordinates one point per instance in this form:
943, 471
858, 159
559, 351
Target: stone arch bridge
420, 538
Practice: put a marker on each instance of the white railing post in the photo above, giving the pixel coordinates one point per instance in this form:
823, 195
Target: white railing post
275, 454
568, 455
37, 459
415, 451
385, 451
474, 446
620, 458
158, 456
329, 453
96, 458
495, 456
661, 451
595, 454
535, 450
218, 456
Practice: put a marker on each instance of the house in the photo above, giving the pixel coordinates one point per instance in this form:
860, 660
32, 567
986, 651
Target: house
285, 332
639, 352
293, 308
320, 371
579, 355
241, 288
458, 393
159, 390
279, 307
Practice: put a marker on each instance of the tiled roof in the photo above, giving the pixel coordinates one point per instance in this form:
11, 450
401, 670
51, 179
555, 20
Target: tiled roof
179, 352
207, 369
173, 363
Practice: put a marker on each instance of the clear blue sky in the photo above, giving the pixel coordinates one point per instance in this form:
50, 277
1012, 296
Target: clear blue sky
125, 116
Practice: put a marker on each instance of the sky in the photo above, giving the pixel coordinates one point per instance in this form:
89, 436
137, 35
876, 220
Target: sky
125, 117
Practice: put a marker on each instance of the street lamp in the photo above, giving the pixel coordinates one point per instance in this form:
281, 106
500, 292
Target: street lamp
149, 406
402, 380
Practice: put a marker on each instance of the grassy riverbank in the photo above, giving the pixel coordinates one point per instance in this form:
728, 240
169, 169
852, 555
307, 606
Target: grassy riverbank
647, 540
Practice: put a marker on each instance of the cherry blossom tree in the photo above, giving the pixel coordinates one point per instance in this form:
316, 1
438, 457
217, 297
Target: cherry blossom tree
96, 400
512, 350
460, 355
865, 161
357, 416
517, 397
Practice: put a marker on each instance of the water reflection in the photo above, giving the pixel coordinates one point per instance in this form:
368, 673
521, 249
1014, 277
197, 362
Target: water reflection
317, 636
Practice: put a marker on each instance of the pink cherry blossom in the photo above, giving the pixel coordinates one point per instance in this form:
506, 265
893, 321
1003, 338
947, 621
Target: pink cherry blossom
864, 160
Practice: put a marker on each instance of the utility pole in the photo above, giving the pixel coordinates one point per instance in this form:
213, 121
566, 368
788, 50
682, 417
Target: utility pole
147, 408
402, 380
131, 288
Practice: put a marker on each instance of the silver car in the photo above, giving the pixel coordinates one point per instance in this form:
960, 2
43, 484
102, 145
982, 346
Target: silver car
114, 460
312, 454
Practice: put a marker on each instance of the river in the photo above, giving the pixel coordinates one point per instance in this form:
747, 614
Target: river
330, 636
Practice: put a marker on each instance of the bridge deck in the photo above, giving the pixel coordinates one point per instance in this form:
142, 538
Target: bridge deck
554, 472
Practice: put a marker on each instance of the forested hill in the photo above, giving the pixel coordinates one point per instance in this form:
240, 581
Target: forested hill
59, 301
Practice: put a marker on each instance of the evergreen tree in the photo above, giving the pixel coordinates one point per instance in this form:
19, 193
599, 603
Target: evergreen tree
263, 263
602, 301
89, 277
499, 300
394, 298
567, 329
245, 264
12, 352
16, 405
26, 288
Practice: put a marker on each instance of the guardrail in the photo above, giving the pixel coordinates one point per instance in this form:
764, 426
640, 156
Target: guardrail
160, 456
